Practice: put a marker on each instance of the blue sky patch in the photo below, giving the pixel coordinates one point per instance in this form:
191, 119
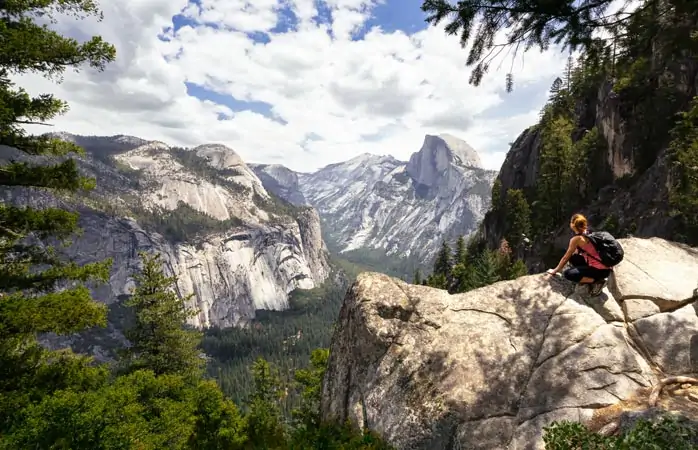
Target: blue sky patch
393, 15
231, 102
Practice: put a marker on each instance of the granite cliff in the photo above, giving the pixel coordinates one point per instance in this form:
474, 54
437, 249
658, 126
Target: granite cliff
488, 369
236, 247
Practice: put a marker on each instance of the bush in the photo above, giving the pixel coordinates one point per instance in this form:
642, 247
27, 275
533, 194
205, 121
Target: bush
669, 432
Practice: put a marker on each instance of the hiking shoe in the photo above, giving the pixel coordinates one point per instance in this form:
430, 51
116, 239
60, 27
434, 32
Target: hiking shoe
597, 287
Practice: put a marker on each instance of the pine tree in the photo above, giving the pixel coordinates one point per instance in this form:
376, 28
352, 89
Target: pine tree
461, 254
575, 25
569, 70
555, 89
417, 279
158, 340
462, 278
264, 420
309, 380
683, 195
517, 218
31, 272
517, 269
486, 270
496, 195
555, 188
444, 261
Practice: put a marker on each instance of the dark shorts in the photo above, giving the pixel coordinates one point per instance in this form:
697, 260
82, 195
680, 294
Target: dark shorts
580, 270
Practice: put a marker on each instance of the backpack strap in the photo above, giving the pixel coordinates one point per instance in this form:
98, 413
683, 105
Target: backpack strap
581, 250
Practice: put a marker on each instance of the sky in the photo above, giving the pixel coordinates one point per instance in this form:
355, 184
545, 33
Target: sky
303, 83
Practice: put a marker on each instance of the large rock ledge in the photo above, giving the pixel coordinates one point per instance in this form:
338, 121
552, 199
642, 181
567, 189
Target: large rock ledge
490, 368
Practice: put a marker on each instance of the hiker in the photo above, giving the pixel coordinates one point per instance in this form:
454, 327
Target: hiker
585, 260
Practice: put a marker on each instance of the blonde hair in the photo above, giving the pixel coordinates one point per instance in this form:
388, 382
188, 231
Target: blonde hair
579, 222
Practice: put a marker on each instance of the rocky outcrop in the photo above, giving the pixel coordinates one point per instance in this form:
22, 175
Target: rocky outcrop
401, 208
232, 245
490, 368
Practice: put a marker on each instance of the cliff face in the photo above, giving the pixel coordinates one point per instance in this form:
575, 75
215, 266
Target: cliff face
490, 368
227, 240
231, 274
632, 197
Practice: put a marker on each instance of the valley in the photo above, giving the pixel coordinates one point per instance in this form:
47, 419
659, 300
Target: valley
167, 293
266, 272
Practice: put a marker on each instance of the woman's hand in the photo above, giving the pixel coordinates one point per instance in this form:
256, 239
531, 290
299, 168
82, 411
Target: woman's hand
550, 273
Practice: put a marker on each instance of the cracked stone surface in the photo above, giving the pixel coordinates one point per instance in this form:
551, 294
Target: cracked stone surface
638, 308
489, 369
672, 340
658, 270
429, 370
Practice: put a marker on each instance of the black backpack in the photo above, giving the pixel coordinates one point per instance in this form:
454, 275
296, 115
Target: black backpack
610, 251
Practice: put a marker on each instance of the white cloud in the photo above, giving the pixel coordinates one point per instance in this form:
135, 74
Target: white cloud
380, 94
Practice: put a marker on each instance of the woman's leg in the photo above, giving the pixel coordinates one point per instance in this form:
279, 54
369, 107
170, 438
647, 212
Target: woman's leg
579, 274
573, 274
600, 276
577, 260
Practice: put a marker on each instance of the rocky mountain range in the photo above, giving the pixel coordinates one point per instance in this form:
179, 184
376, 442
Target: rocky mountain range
230, 243
241, 237
403, 208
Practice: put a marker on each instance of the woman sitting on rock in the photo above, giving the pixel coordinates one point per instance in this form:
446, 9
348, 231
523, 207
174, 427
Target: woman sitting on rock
584, 259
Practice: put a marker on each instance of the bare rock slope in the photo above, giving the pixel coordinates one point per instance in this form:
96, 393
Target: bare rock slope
490, 368
233, 245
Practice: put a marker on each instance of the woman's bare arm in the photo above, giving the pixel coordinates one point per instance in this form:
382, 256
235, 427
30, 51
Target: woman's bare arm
574, 242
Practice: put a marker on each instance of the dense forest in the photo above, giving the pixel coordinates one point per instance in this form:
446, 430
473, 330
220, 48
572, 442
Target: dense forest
284, 338
156, 394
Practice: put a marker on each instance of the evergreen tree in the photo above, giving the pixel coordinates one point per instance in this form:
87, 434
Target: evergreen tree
517, 269
444, 261
486, 270
309, 380
496, 195
684, 190
555, 89
462, 277
517, 218
417, 277
574, 24
569, 70
264, 419
555, 189
31, 272
461, 254
159, 341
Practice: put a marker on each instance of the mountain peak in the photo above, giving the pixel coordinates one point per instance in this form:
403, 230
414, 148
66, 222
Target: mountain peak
439, 156
219, 156
461, 150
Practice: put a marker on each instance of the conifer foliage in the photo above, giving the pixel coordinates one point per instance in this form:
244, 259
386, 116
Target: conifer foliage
158, 399
31, 271
525, 24
472, 265
159, 342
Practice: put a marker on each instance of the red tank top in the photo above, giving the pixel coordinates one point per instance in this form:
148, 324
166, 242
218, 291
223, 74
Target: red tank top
591, 255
